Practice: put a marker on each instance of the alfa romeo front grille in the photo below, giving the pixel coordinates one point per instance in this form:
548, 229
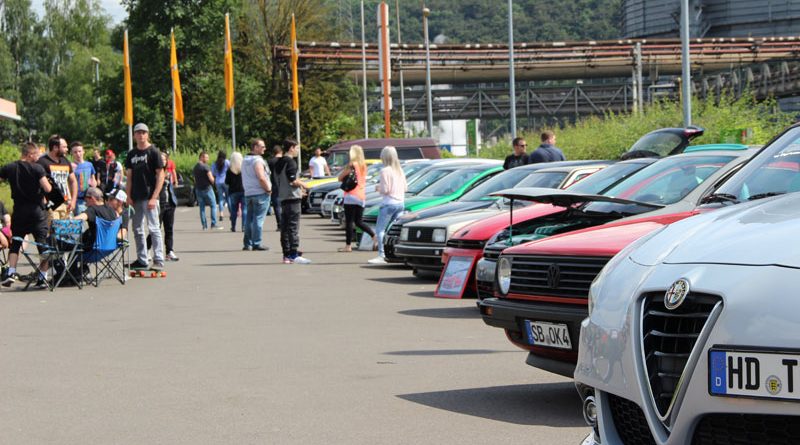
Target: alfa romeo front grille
716, 429
630, 422
668, 338
557, 276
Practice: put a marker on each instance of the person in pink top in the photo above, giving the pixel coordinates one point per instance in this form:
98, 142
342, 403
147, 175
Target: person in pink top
354, 200
392, 187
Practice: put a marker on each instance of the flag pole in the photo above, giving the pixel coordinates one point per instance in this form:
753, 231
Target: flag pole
233, 128
296, 92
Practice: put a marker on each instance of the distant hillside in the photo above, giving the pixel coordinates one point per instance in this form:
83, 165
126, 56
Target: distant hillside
485, 21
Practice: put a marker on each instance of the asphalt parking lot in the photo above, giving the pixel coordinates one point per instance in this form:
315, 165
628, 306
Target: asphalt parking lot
236, 347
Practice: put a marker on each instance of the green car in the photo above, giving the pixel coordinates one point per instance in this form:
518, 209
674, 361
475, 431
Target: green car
447, 189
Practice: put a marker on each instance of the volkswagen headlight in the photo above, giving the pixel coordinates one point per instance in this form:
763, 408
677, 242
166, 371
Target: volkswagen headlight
439, 235
404, 234
504, 275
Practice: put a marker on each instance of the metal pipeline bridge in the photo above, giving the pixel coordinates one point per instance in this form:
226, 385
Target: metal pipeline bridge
558, 80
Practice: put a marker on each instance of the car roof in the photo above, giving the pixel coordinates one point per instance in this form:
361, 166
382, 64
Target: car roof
569, 168
711, 147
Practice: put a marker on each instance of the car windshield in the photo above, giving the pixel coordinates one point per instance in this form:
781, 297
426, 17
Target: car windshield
412, 168
425, 180
550, 180
660, 143
451, 183
505, 180
605, 178
664, 182
774, 171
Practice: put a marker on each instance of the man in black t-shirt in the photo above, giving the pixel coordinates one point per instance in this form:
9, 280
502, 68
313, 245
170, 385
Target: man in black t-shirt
58, 167
95, 207
203, 190
519, 157
291, 190
145, 178
29, 183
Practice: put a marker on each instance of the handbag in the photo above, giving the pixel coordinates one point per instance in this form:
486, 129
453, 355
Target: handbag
350, 181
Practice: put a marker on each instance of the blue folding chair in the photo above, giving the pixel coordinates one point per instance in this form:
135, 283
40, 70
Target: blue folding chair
107, 254
61, 252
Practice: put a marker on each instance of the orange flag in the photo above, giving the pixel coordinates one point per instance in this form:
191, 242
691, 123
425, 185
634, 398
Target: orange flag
229, 102
295, 55
126, 67
176, 81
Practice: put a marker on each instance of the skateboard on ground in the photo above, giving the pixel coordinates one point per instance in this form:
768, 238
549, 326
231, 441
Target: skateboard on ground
148, 273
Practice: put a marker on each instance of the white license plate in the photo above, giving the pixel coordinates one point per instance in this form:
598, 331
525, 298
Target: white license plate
553, 335
769, 375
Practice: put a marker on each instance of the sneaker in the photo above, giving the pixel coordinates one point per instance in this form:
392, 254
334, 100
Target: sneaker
262, 248
138, 265
301, 260
41, 283
247, 248
287, 260
172, 257
377, 260
217, 228
157, 266
9, 278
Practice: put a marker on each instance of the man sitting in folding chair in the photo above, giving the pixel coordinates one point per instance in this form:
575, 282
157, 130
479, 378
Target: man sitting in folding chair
29, 184
101, 245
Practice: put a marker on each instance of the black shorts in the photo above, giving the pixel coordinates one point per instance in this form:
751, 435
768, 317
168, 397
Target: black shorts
28, 220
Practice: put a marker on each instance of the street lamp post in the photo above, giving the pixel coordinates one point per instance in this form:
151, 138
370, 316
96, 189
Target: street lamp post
686, 65
96, 62
512, 90
425, 13
364, 73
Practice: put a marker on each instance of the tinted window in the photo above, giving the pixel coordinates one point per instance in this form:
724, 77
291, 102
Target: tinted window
426, 179
404, 153
775, 170
661, 143
606, 177
505, 180
451, 183
548, 180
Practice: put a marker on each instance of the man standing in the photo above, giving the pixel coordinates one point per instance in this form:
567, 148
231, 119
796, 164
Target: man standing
277, 154
145, 174
85, 175
204, 191
519, 157
547, 151
28, 183
318, 165
291, 192
111, 174
57, 166
257, 189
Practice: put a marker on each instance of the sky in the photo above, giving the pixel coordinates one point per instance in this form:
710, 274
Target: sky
112, 8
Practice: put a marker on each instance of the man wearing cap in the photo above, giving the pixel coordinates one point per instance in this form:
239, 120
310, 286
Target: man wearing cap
117, 200
145, 173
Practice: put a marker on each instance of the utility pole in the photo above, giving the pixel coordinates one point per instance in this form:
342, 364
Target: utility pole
425, 13
511, 80
686, 81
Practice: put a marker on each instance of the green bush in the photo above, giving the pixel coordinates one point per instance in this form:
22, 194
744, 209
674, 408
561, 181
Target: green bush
607, 137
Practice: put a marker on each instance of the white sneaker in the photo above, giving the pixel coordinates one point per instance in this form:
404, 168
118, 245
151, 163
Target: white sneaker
172, 257
377, 260
301, 260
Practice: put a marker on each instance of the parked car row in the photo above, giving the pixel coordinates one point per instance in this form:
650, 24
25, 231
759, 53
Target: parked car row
662, 284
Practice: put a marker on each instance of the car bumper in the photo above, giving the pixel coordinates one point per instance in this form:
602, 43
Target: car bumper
421, 256
511, 315
389, 243
756, 310
326, 208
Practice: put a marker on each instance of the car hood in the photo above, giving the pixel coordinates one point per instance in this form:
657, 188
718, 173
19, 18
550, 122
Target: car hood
602, 241
450, 207
454, 221
484, 229
759, 233
562, 198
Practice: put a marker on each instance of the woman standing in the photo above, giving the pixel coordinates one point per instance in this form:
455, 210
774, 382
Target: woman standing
220, 171
233, 181
392, 187
354, 200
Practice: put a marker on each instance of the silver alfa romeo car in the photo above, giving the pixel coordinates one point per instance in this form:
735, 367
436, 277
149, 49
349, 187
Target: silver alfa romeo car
693, 334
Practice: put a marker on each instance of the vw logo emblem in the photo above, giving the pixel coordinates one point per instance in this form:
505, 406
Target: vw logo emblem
676, 294
419, 234
553, 276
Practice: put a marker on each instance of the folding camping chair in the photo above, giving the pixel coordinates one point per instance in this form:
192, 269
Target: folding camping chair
107, 253
61, 252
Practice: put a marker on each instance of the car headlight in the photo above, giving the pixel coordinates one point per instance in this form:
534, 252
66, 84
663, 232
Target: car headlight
404, 234
439, 235
504, 274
